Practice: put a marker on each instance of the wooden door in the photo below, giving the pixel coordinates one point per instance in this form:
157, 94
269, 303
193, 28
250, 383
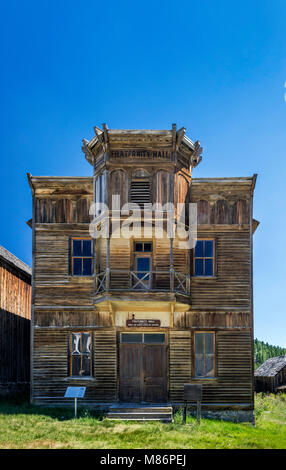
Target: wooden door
130, 389
154, 373
142, 371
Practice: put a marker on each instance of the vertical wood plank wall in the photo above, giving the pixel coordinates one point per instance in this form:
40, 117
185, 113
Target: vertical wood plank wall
15, 317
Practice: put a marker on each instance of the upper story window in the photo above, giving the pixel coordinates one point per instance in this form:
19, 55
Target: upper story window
143, 247
140, 192
204, 258
82, 257
80, 354
204, 354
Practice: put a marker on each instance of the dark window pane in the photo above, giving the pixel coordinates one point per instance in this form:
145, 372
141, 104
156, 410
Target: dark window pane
199, 250
147, 247
76, 365
77, 266
77, 248
199, 267
131, 338
139, 247
87, 266
199, 342
143, 264
209, 343
154, 338
86, 366
86, 248
209, 248
208, 267
199, 372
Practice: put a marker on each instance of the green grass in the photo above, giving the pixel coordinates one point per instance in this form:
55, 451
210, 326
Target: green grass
28, 427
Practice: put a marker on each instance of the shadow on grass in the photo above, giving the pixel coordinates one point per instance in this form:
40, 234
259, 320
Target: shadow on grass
18, 406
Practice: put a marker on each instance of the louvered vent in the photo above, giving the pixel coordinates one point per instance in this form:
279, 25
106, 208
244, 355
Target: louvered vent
140, 192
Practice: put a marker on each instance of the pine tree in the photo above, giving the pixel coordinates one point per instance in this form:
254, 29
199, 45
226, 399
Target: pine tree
263, 351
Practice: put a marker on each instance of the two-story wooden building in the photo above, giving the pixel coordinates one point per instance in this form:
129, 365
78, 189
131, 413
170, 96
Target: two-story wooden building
134, 317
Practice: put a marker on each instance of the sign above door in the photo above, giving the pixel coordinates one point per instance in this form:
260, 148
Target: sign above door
143, 322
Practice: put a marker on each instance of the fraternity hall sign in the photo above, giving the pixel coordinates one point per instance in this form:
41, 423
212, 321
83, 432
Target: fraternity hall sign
161, 154
142, 322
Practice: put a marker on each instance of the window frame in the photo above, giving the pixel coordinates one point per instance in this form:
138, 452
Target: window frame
81, 257
143, 243
203, 276
204, 377
70, 354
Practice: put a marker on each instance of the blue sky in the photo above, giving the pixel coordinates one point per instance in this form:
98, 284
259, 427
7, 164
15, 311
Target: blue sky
216, 67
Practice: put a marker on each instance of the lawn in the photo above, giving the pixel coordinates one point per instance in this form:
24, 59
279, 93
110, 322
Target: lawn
24, 426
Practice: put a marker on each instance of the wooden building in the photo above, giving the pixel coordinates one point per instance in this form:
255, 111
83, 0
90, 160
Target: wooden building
15, 322
271, 375
133, 319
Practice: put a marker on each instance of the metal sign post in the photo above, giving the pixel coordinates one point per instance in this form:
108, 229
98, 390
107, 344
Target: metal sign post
75, 392
192, 392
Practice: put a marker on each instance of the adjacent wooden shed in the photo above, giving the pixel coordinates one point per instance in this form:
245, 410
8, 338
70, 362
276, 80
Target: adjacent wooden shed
271, 375
15, 318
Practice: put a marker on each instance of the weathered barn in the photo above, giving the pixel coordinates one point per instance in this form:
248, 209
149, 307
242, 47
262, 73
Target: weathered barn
15, 319
134, 317
271, 375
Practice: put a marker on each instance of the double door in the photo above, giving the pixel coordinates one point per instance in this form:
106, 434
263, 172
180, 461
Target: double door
143, 368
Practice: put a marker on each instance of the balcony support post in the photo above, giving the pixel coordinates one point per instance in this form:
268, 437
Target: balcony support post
171, 265
107, 282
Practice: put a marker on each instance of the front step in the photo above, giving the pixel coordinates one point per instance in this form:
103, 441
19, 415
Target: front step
160, 413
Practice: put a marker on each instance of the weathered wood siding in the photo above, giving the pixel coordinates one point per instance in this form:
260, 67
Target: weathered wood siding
120, 260
51, 367
230, 288
180, 369
53, 282
15, 317
233, 381
62, 210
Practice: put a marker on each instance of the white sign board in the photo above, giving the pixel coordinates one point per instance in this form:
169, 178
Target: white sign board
75, 392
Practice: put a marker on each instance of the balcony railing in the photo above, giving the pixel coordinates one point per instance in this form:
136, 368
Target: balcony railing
143, 281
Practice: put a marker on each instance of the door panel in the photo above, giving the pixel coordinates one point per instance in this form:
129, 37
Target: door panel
130, 389
154, 373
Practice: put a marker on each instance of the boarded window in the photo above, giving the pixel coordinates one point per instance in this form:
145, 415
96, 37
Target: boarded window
80, 354
140, 192
204, 258
204, 354
82, 257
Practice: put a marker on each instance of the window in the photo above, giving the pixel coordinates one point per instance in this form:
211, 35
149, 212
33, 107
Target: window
80, 354
82, 257
143, 247
140, 192
147, 338
204, 354
204, 258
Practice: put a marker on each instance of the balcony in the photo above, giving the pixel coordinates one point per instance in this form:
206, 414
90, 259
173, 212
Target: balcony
142, 281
